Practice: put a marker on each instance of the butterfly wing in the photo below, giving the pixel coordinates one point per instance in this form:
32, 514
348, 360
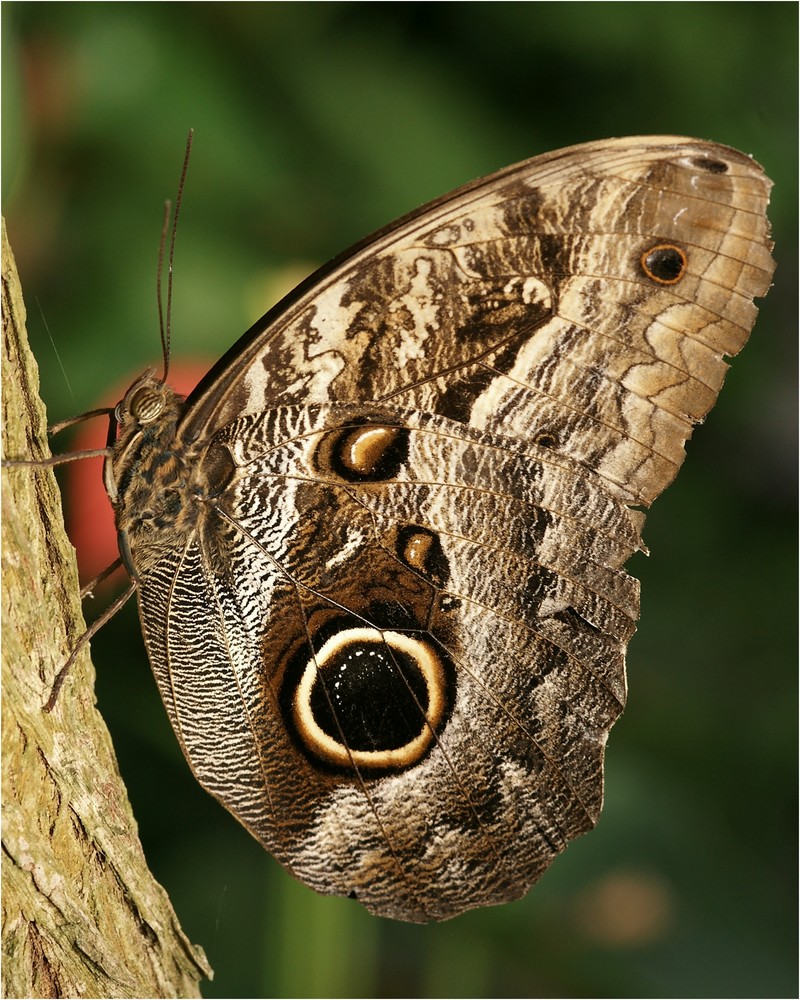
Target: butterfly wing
391, 634
437, 312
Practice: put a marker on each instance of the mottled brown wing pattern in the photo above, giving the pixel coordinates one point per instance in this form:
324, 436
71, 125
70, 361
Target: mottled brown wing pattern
380, 557
433, 313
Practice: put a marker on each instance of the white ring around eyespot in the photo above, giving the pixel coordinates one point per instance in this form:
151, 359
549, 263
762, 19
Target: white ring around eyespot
329, 749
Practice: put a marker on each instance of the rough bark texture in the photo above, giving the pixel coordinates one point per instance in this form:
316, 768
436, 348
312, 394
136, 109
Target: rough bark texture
81, 914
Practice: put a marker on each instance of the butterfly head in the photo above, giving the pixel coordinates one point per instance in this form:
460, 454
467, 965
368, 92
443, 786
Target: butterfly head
148, 412
144, 402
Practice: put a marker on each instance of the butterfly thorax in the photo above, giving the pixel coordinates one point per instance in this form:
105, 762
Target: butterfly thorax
148, 475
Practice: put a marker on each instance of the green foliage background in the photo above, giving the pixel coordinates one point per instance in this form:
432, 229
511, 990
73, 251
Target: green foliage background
316, 123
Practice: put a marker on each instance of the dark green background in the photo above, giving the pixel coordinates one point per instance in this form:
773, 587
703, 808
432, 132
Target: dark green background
317, 123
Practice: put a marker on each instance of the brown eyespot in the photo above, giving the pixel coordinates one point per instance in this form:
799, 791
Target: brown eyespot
421, 549
665, 264
366, 453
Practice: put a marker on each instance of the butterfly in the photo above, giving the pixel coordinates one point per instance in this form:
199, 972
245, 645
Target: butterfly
379, 551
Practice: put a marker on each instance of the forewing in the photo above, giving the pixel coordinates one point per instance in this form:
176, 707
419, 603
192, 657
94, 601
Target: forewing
520, 304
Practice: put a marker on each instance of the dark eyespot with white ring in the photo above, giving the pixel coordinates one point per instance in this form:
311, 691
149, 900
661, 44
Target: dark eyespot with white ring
665, 263
368, 453
371, 700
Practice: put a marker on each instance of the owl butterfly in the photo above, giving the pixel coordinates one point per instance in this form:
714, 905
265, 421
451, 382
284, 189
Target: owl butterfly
379, 550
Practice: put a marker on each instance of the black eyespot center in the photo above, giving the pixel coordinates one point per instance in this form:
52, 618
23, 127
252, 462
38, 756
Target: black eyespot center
368, 699
664, 263
350, 699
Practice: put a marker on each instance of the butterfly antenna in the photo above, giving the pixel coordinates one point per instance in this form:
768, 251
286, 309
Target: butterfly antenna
164, 334
166, 327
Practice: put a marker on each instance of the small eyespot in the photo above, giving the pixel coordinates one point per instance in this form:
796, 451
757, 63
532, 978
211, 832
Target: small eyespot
421, 549
709, 164
665, 264
545, 440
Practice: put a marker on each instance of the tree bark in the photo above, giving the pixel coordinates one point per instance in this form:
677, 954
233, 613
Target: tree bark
81, 913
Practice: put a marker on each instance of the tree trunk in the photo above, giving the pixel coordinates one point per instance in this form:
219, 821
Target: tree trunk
82, 915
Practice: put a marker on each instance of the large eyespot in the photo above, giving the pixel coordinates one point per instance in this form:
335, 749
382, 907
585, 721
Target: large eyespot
664, 264
371, 700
